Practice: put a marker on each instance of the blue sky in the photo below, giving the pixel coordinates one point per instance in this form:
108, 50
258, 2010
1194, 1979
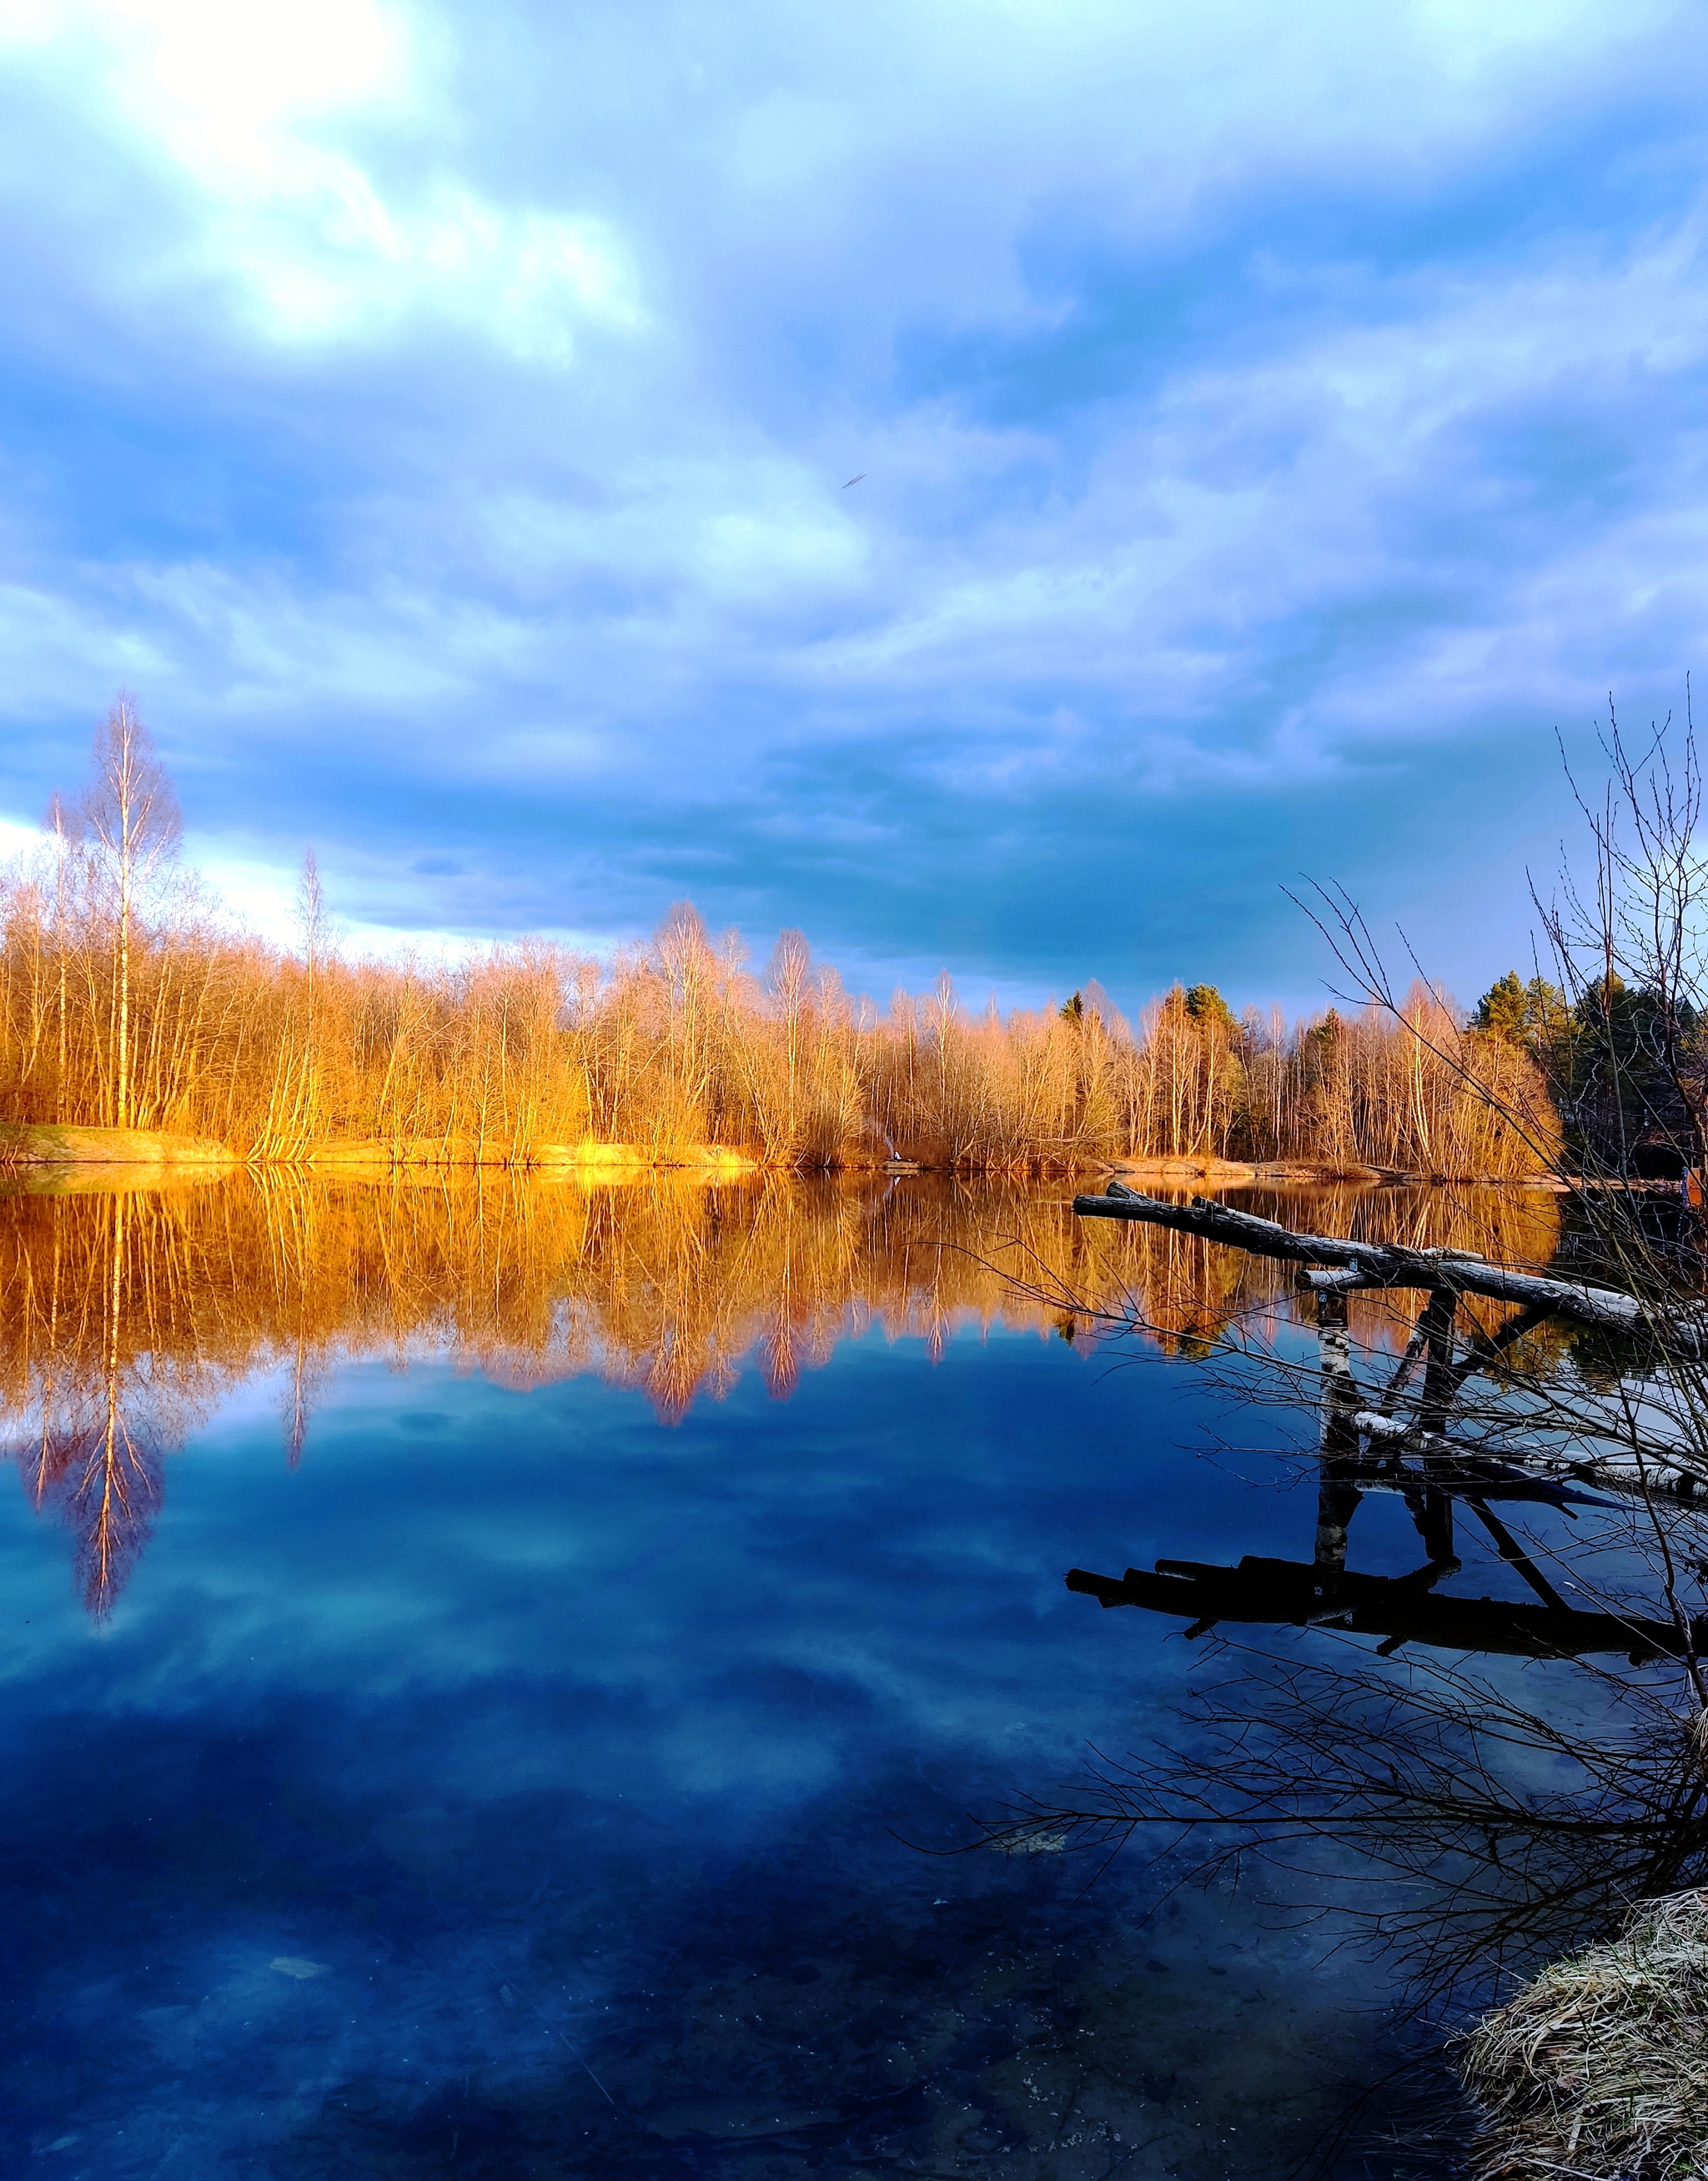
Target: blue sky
1274, 423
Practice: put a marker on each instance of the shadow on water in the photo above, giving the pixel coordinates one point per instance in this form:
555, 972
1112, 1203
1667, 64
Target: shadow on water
284, 1931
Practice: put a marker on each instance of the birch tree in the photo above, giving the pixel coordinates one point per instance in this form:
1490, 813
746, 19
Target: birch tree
131, 820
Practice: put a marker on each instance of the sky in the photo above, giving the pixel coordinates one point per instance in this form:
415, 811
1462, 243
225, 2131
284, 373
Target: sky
1273, 425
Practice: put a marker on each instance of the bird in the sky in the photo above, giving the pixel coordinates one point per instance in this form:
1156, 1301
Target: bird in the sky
854, 480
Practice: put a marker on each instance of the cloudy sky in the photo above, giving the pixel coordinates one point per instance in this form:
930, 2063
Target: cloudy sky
1273, 422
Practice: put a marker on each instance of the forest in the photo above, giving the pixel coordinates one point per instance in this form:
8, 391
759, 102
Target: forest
128, 1000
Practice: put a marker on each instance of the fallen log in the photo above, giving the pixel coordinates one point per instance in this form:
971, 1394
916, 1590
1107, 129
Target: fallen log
1682, 1332
1466, 1472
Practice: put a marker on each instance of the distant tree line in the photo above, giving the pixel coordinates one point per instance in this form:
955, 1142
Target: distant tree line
125, 1000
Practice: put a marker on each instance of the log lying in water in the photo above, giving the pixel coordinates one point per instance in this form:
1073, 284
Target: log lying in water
1464, 1472
1683, 1331
1401, 1609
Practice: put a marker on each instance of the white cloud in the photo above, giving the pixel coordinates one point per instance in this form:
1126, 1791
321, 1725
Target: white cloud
221, 81
261, 112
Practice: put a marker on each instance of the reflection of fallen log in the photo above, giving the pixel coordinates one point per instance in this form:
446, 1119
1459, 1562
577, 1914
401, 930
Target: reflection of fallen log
1455, 1468
1400, 1609
1461, 1473
1386, 1265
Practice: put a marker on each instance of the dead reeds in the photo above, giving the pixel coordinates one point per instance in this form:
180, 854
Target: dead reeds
1599, 2066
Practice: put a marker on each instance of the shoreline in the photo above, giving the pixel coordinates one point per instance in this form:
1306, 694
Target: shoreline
39, 1149
1237, 1173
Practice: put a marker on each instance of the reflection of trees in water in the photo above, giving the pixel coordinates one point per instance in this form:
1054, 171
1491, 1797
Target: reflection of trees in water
129, 1316
1188, 1292
94, 1398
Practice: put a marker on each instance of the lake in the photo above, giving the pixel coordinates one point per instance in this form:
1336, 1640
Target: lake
508, 1680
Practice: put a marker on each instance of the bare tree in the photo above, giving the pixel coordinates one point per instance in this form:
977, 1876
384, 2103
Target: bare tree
312, 914
1643, 932
64, 826
132, 816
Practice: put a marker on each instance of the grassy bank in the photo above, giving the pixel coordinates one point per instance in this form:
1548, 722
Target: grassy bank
1600, 2065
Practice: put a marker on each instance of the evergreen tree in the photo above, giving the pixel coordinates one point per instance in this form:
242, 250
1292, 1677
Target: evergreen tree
1501, 1008
1210, 1011
1536, 1016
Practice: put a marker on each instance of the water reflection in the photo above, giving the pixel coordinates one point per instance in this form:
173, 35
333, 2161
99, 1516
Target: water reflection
1463, 1827
130, 1316
1462, 1820
1482, 1823
98, 1395
526, 1788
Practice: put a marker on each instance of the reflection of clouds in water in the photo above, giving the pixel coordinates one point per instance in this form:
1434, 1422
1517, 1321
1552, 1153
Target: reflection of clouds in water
546, 1701
766, 1594
532, 1976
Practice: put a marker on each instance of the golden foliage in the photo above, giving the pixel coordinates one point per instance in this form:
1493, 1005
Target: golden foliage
524, 1054
126, 1003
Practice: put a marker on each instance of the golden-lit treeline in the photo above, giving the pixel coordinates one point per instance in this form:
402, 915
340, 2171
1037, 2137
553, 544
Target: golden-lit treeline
237, 1042
125, 1001
501, 1058
128, 1317
1420, 1095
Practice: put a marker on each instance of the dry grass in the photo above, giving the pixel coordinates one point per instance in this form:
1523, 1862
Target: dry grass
1598, 2067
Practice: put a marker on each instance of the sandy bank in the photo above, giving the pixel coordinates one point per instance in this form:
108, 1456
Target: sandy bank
44, 1148
1237, 1174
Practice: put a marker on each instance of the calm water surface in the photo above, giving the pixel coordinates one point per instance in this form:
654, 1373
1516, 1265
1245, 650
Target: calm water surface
485, 1671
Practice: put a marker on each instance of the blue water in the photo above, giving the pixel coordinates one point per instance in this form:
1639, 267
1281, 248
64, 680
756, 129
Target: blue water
522, 1785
